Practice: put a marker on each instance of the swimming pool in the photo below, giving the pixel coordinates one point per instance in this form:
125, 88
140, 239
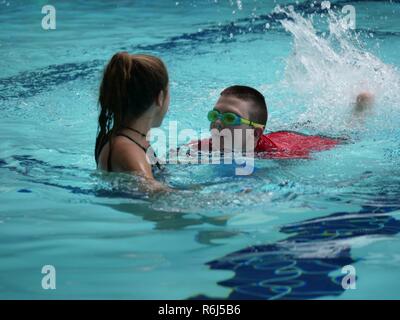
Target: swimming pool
299, 221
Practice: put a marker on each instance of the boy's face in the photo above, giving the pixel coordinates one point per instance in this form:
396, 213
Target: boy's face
242, 109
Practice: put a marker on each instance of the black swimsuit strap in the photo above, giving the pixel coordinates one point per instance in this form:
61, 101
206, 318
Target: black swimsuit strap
137, 131
158, 164
134, 141
109, 168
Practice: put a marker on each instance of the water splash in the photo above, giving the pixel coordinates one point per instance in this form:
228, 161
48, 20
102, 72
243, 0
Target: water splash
328, 69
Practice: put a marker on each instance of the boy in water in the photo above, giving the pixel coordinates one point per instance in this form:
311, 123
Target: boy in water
242, 108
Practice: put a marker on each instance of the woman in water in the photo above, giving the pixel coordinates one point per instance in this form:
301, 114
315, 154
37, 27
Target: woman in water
134, 97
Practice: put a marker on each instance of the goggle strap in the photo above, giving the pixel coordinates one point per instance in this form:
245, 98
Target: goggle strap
256, 125
251, 123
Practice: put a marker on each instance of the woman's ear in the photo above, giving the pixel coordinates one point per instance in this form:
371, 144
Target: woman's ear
160, 99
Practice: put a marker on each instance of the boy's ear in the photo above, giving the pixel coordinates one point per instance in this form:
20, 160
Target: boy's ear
258, 132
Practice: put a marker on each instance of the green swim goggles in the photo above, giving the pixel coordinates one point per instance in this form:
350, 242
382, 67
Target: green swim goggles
231, 119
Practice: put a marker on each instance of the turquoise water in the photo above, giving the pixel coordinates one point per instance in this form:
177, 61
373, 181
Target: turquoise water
299, 222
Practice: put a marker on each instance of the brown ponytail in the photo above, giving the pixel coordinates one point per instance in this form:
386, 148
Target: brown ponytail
130, 85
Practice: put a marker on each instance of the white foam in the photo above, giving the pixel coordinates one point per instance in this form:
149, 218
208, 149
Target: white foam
330, 70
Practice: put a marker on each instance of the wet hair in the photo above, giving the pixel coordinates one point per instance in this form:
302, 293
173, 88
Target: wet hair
130, 85
258, 111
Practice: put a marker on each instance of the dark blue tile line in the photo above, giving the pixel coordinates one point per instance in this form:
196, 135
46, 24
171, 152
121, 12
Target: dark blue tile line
30, 83
291, 268
27, 162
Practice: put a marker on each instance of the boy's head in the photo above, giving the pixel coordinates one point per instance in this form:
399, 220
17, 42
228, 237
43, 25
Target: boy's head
247, 103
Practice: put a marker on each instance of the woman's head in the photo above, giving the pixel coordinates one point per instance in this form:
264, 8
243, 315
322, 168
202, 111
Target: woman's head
132, 86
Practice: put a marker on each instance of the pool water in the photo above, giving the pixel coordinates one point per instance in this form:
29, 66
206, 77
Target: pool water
284, 232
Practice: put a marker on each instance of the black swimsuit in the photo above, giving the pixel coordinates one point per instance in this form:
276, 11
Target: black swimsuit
109, 167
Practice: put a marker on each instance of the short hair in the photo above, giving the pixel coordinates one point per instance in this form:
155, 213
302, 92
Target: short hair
259, 111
